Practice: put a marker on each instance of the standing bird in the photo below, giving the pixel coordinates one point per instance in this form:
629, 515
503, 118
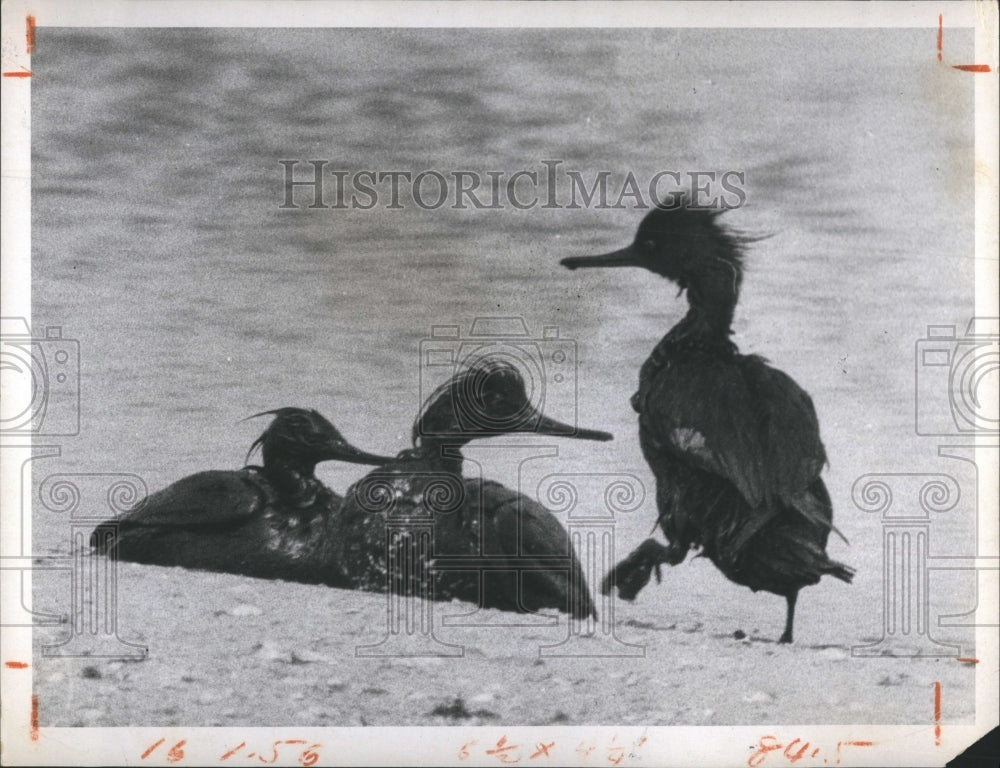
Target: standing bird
271, 521
506, 551
734, 443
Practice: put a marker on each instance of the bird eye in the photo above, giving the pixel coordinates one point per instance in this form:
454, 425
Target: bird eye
648, 245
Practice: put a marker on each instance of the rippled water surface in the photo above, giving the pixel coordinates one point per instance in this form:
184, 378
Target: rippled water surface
159, 243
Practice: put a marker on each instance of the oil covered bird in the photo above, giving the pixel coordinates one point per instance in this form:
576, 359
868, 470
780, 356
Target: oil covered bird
492, 545
734, 443
270, 521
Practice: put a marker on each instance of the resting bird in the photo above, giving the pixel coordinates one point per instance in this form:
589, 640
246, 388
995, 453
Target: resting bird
271, 521
734, 443
491, 545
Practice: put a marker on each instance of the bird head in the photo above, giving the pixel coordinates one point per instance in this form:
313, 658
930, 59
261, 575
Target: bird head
304, 437
687, 245
487, 398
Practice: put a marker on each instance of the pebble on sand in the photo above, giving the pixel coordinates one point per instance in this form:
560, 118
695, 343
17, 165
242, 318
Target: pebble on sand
758, 697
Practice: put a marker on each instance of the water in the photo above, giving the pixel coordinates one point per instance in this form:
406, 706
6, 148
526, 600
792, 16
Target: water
158, 241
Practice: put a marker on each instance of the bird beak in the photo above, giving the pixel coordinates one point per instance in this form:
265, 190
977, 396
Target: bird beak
626, 257
546, 426
341, 450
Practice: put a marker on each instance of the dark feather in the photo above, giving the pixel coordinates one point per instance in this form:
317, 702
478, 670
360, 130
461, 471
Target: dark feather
733, 442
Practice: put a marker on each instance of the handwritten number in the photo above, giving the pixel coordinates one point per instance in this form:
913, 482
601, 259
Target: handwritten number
500, 752
463, 753
584, 749
233, 751
796, 756
176, 751
770, 744
150, 749
309, 755
762, 749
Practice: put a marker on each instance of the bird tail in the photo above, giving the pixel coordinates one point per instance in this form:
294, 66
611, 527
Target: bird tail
809, 557
784, 556
817, 511
103, 538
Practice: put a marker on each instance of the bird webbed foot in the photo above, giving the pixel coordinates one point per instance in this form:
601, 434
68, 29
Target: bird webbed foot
633, 573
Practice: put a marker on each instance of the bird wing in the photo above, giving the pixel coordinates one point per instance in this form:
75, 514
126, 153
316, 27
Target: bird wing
213, 498
515, 524
789, 429
522, 529
743, 421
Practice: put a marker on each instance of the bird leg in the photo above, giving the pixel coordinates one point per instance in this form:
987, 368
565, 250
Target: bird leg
672, 554
633, 573
786, 636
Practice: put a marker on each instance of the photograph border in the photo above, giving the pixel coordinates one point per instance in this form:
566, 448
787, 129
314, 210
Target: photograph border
25, 743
